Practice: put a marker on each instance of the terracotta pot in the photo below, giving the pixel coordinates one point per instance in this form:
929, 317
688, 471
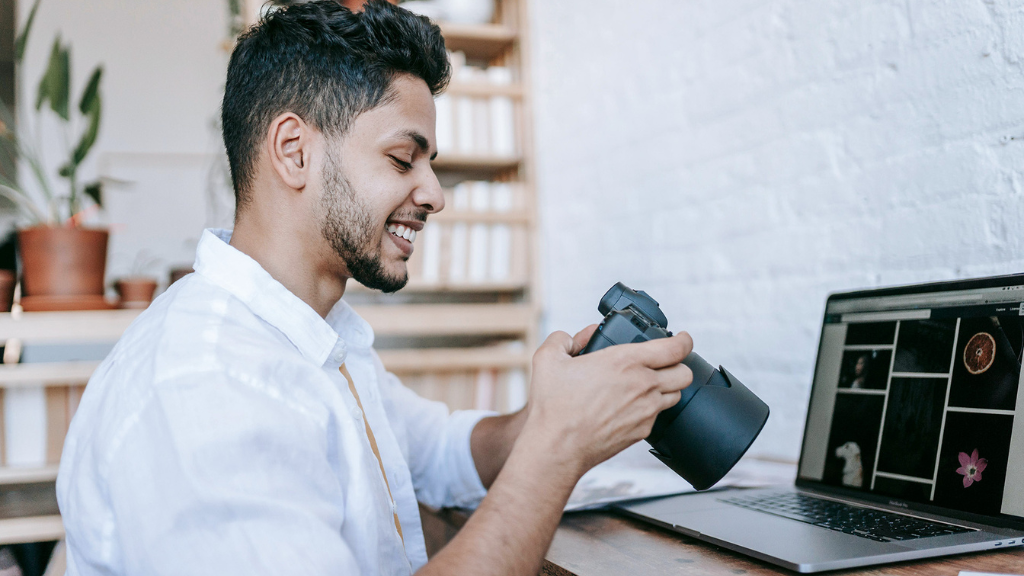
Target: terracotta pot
135, 292
7, 281
357, 5
61, 261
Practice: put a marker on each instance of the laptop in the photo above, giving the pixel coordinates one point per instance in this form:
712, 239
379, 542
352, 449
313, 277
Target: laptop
914, 441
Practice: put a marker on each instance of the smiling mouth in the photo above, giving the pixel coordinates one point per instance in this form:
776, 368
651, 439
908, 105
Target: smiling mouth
403, 232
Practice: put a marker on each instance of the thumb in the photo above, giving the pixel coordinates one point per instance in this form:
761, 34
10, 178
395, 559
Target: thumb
559, 343
580, 340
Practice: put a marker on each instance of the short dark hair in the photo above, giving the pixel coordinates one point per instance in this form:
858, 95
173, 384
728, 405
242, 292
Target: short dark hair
324, 63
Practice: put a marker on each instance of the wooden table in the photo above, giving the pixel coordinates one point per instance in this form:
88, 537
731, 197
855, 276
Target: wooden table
606, 544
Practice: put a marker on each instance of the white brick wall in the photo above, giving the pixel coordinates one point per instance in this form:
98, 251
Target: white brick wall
740, 159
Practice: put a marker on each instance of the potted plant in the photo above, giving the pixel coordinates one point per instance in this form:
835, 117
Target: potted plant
136, 290
63, 262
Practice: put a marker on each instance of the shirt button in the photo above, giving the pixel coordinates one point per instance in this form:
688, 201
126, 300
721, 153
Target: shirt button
357, 413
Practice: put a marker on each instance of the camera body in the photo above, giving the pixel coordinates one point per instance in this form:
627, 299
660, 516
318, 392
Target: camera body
716, 419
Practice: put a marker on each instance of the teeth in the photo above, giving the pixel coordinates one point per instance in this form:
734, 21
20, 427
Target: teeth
402, 232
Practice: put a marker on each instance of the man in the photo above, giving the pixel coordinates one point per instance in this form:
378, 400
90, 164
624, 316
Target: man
244, 424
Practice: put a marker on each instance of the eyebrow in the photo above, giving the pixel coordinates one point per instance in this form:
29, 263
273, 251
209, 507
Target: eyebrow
420, 140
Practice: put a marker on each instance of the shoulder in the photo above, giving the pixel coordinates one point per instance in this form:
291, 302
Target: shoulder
197, 344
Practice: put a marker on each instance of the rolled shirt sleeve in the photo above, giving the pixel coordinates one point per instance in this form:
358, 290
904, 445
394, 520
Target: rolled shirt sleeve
436, 445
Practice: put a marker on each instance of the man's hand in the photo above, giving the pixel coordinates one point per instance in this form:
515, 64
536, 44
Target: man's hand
582, 410
592, 407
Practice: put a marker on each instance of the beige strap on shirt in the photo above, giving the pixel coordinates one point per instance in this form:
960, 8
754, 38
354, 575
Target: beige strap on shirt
373, 446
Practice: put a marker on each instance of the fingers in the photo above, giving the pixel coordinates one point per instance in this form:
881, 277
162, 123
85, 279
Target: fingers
580, 340
673, 379
663, 352
668, 400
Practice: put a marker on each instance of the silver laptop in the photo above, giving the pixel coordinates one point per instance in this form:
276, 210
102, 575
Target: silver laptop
914, 443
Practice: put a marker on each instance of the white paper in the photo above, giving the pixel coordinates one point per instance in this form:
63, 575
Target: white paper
464, 124
501, 253
445, 124
25, 426
634, 473
481, 126
460, 197
480, 196
457, 264
484, 390
478, 236
430, 247
516, 389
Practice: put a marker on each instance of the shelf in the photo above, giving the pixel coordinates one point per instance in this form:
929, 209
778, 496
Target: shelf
513, 217
479, 42
419, 286
448, 319
452, 359
31, 529
475, 162
46, 374
484, 90
90, 325
25, 474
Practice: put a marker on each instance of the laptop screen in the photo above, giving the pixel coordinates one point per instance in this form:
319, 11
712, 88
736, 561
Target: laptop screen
915, 396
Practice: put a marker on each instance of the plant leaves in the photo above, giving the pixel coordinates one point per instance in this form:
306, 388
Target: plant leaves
22, 41
92, 90
89, 136
94, 190
54, 87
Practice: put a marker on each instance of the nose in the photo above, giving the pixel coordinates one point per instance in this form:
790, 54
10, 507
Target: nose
428, 194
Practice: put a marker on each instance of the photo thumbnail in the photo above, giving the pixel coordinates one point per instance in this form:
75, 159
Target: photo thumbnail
913, 421
853, 439
865, 369
972, 462
870, 333
986, 363
925, 346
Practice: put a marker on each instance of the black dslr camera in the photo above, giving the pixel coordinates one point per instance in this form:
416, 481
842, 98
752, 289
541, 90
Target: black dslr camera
717, 418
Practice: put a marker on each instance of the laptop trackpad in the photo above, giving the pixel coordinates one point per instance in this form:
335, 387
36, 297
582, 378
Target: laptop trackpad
763, 534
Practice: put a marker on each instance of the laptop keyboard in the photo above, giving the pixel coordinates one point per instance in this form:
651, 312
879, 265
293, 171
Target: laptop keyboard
864, 522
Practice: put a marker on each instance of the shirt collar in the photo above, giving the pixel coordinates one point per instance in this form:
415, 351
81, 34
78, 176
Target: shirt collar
243, 277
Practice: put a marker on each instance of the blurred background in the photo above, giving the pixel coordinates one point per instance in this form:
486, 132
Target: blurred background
738, 159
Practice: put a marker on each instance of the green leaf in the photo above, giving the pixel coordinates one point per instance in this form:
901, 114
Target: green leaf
66, 170
54, 87
95, 191
22, 41
89, 136
90, 95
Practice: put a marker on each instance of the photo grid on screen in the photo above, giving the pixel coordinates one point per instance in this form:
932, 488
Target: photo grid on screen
924, 410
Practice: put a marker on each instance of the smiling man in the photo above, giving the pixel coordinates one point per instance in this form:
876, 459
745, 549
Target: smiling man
244, 424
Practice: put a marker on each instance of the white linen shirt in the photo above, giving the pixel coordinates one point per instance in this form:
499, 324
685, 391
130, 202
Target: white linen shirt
219, 437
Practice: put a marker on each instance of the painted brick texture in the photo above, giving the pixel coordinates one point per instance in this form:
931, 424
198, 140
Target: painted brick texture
740, 159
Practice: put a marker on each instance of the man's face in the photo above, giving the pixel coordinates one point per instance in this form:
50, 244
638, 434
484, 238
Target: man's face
378, 186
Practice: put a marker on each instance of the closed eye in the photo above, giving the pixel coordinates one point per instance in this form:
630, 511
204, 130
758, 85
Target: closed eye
401, 165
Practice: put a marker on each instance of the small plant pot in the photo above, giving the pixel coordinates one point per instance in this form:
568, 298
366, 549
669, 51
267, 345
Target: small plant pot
7, 282
62, 261
135, 292
357, 5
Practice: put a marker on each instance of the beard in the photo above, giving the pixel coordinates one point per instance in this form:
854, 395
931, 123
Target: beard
347, 225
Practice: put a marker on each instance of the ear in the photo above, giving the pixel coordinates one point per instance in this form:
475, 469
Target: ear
290, 141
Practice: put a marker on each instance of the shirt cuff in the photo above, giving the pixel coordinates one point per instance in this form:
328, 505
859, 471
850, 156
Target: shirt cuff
466, 488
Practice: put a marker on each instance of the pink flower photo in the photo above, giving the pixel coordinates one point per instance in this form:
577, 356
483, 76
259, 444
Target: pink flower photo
971, 467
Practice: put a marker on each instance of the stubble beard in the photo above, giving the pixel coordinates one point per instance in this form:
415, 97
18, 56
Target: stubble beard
347, 225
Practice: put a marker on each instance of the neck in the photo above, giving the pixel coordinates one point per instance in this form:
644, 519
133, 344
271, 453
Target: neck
294, 254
